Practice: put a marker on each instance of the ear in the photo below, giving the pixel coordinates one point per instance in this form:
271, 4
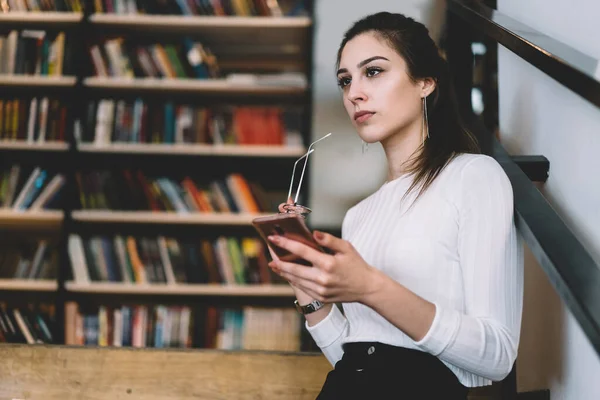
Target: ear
428, 85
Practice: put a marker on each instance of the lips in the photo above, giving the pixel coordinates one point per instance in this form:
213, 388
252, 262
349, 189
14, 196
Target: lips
362, 116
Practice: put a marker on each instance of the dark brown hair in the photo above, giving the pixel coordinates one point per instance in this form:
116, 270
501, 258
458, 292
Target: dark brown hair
447, 135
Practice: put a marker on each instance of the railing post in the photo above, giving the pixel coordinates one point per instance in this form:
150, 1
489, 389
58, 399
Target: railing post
457, 45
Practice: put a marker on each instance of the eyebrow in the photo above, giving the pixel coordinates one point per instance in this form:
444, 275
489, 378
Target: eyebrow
363, 63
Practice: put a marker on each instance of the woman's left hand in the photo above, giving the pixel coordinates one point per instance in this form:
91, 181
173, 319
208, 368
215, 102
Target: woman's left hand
340, 277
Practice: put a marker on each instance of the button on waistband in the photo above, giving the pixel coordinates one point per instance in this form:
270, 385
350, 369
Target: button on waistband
371, 350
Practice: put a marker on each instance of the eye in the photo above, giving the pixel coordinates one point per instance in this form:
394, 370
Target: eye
372, 71
344, 81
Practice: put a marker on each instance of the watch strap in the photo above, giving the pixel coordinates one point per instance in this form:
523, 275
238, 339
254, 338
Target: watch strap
308, 308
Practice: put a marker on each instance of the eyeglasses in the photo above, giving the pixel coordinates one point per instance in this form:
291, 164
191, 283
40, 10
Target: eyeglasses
295, 207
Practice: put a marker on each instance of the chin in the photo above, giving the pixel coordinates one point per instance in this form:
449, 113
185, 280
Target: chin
370, 134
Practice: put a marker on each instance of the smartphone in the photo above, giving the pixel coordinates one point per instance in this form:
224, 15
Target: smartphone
289, 225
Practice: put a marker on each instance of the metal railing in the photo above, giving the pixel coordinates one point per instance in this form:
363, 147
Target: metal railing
569, 266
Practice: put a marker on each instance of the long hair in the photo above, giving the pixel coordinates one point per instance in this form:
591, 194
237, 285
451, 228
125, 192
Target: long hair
447, 135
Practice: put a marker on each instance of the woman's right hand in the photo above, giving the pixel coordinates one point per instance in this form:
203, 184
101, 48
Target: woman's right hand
301, 296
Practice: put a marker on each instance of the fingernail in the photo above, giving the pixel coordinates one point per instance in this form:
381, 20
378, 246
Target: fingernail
273, 238
319, 235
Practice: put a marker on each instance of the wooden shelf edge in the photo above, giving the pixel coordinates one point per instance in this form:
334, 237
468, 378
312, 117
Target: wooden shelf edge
29, 285
45, 17
194, 149
253, 290
202, 21
37, 146
7, 214
191, 85
151, 217
37, 80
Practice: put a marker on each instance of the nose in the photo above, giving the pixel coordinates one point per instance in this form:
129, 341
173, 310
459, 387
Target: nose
356, 92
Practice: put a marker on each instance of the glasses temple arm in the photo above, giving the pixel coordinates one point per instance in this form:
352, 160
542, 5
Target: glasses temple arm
305, 162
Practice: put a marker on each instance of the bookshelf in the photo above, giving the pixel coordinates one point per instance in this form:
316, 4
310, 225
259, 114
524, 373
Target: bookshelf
152, 217
38, 81
46, 19
263, 63
289, 31
19, 220
28, 285
49, 147
224, 150
182, 289
213, 87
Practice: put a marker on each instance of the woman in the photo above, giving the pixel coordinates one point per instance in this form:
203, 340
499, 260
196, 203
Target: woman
429, 268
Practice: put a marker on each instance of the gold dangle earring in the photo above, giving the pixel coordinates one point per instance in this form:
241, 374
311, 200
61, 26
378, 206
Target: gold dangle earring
424, 122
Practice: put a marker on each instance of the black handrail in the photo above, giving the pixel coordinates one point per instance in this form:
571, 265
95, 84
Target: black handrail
569, 266
572, 68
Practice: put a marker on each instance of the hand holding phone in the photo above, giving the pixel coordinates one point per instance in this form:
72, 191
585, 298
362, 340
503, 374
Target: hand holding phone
289, 225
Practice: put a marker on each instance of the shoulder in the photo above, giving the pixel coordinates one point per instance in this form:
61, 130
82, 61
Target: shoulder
474, 162
477, 180
472, 170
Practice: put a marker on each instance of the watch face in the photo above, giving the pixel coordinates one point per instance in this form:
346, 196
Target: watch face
309, 308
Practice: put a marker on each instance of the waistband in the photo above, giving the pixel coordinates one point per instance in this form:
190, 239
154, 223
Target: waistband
378, 349
403, 370
362, 355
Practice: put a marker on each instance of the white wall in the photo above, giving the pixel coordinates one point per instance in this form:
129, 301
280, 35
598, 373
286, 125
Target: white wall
341, 175
539, 116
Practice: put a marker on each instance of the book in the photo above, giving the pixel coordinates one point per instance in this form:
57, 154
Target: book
134, 190
34, 120
35, 52
169, 261
172, 326
128, 121
28, 258
246, 8
28, 324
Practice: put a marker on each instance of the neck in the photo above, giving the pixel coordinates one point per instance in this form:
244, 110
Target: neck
402, 147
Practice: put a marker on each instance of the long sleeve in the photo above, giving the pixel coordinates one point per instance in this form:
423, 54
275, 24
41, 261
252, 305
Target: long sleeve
329, 333
484, 338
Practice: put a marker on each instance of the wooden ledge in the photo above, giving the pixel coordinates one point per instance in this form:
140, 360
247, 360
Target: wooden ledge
66, 372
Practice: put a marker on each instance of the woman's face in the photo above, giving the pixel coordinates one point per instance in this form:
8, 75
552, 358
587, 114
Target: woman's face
380, 98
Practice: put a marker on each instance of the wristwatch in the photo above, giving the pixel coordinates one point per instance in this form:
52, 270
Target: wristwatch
309, 308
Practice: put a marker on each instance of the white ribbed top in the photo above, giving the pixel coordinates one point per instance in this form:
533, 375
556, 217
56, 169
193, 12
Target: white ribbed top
458, 248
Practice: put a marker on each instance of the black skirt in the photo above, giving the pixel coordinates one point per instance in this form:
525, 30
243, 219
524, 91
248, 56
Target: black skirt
380, 371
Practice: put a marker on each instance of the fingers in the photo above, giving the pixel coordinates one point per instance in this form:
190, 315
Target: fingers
303, 251
296, 270
302, 277
273, 255
331, 242
280, 207
305, 286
